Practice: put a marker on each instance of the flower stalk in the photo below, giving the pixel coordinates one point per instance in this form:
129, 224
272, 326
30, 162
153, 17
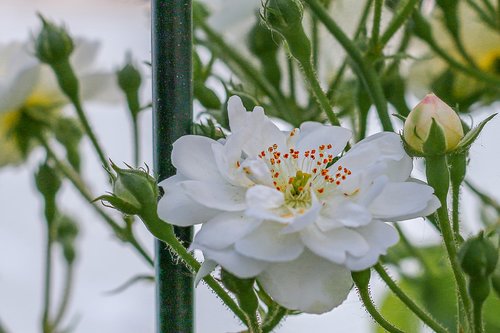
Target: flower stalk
424, 316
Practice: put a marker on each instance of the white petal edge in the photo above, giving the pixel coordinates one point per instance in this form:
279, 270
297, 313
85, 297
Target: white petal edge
309, 284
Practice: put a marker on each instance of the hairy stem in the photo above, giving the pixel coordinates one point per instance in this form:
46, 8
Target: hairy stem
424, 316
364, 295
164, 232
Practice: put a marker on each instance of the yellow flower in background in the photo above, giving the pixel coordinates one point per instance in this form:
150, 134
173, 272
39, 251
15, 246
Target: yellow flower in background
481, 42
28, 88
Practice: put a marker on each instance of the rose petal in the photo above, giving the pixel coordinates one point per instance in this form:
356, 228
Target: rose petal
177, 208
379, 236
224, 229
267, 243
309, 284
216, 195
193, 157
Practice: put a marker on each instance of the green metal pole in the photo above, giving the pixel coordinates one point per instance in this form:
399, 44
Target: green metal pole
172, 118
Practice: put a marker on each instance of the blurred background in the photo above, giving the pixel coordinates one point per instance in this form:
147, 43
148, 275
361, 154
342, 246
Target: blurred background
103, 263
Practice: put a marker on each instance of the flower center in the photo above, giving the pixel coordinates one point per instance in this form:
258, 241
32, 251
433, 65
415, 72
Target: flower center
299, 174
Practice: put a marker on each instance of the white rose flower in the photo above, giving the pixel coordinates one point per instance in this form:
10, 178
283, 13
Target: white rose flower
25, 83
284, 208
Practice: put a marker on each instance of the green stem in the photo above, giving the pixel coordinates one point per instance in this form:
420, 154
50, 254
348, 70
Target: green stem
68, 286
397, 21
338, 78
275, 316
455, 209
315, 42
291, 79
364, 295
164, 232
68, 82
219, 46
253, 324
46, 322
318, 93
450, 244
78, 183
424, 316
377, 15
366, 72
478, 317
135, 133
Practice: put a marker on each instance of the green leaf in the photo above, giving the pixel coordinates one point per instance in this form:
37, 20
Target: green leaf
472, 135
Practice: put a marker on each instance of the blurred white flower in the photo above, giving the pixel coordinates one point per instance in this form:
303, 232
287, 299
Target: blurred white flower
27, 84
481, 42
283, 207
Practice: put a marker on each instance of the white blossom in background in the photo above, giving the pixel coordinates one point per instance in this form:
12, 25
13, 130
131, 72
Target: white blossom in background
282, 207
25, 83
481, 42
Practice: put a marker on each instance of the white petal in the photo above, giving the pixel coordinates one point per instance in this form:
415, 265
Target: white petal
309, 284
193, 157
312, 136
257, 171
264, 197
383, 148
224, 229
178, 209
379, 236
402, 201
343, 213
216, 195
227, 158
17, 91
267, 243
235, 263
373, 191
334, 245
256, 130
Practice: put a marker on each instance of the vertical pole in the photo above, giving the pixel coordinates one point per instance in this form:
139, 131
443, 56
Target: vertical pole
172, 118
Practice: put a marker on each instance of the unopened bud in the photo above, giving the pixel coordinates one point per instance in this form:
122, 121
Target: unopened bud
478, 257
432, 127
53, 44
135, 192
47, 180
129, 80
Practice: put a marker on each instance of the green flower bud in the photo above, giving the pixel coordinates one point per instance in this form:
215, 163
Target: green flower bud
478, 257
419, 132
135, 192
129, 80
47, 181
67, 231
285, 17
53, 44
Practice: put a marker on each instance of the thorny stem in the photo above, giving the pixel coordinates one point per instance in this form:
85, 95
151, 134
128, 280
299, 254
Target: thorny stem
424, 316
77, 182
46, 321
317, 91
377, 15
397, 21
274, 318
164, 232
364, 295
